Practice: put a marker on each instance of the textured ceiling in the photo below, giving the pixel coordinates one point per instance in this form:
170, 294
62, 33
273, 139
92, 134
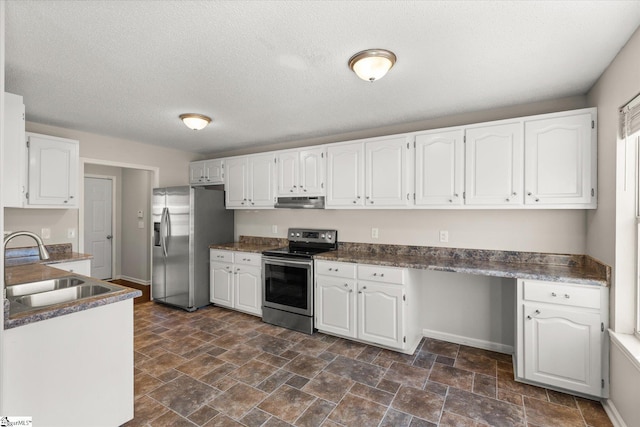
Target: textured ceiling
276, 71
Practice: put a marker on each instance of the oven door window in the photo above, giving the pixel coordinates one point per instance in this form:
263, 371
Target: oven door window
287, 286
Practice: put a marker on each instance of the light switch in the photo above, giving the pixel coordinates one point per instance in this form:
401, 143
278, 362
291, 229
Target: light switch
140, 215
140, 224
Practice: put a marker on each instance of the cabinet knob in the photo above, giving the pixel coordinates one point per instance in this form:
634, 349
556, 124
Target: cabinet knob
359, 292
330, 269
66, 201
529, 317
295, 186
514, 194
375, 274
364, 287
336, 269
455, 194
71, 197
450, 201
304, 189
382, 275
529, 193
567, 296
537, 311
371, 201
291, 191
508, 200
358, 197
346, 285
537, 200
354, 202
553, 294
350, 290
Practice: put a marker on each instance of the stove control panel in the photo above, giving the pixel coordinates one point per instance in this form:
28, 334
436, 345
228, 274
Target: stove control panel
310, 235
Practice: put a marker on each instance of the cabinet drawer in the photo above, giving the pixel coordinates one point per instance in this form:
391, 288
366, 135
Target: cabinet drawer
220, 256
80, 267
248, 258
376, 273
336, 269
562, 293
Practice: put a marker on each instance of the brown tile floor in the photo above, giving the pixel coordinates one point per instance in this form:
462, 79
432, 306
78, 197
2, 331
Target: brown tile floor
217, 367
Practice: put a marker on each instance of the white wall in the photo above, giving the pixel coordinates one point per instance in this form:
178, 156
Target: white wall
610, 229
559, 231
136, 194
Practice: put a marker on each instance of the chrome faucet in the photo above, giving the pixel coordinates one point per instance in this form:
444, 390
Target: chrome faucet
44, 254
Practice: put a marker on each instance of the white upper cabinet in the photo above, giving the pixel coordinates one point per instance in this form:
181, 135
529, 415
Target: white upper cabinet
439, 176
301, 172
236, 182
53, 171
206, 172
261, 188
494, 164
250, 181
386, 166
558, 160
345, 175
371, 173
14, 186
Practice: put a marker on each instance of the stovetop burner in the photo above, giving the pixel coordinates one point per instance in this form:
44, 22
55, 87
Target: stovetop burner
305, 243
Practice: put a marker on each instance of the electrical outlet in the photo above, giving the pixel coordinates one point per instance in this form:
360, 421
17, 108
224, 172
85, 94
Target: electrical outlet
45, 233
444, 236
274, 229
374, 233
71, 233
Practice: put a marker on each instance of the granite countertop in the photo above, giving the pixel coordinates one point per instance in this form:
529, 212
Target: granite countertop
554, 273
252, 244
36, 271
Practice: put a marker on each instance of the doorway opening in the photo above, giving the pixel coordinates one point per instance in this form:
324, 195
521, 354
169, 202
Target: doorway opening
114, 220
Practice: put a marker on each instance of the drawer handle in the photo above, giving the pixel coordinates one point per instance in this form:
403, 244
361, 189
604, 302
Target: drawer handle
330, 269
567, 296
553, 294
529, 317
364, 287
537, 311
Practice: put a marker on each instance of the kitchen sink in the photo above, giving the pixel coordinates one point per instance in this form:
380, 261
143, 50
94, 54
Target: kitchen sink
42, 286
59, 296
31, 296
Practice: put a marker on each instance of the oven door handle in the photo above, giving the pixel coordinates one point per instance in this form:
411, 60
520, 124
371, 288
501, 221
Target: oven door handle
286, 262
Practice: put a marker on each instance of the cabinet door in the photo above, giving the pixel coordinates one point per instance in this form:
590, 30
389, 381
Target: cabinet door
386, 172
381, 314
494, 165
440, 168
345, 175
287, 173
261, 180
80, 267
562, 348
558, 160
336, 306
312, 172
14, 160
248, 289
221, 284
236, 183
196, 173
53, 171
214, 171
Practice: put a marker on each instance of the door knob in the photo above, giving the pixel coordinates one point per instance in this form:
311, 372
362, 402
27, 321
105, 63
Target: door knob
109, 236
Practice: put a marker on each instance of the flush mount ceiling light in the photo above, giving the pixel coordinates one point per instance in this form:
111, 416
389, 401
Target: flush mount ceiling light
195, 121
372, 64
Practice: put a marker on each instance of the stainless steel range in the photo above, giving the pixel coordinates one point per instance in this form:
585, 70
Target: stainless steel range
287, 294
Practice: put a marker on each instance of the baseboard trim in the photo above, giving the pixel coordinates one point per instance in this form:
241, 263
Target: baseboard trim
135, 280
612, 412
471, 342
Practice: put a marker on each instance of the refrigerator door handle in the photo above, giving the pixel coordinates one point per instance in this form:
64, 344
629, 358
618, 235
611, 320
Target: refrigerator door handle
163, 231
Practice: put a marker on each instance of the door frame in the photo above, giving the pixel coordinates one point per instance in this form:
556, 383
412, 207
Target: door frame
114, 223
155, 182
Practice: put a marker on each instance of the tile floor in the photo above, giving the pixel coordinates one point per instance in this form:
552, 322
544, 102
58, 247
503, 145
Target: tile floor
217, 367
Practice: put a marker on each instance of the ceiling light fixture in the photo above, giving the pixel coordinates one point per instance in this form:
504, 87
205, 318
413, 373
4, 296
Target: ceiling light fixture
195, 121
372, 64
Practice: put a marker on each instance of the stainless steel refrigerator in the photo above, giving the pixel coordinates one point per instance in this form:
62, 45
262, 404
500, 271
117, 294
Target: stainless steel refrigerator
186, 220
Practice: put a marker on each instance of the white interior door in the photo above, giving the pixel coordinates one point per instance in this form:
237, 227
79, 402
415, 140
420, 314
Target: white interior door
98, 235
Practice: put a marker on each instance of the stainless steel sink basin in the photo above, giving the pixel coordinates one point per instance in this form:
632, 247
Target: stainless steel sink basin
31, 296
59, 296
42, 286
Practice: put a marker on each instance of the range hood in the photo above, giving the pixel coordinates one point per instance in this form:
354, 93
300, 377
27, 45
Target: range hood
300, 202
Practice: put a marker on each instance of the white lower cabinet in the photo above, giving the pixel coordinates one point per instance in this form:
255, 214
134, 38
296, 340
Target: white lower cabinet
236, 280
561, 341
372, 308
80, 267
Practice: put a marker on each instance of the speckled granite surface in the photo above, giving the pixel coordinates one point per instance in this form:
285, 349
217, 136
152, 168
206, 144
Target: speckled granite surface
524, 265
59, 253
252, 244
513, 264
34, 272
